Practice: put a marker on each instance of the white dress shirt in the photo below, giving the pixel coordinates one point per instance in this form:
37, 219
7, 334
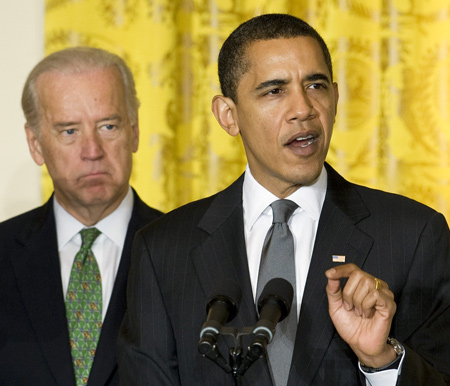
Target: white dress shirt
303, 223
107, 247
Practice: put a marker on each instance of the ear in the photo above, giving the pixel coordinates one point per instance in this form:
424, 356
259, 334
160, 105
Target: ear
224, 110
34, 145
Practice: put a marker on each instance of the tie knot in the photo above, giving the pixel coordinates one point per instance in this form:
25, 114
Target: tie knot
282, 210
88, 236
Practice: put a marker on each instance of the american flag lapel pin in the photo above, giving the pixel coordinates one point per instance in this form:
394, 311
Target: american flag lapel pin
338, 258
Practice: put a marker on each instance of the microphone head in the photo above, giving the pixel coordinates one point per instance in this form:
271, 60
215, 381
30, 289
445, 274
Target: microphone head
229, 293
277, 290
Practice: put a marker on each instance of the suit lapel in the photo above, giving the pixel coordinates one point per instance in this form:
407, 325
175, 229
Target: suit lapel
37, 269
337, 234
222, 254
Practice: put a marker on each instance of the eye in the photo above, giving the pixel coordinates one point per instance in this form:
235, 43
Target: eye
109, 127
317, 86
70, 131
275, 91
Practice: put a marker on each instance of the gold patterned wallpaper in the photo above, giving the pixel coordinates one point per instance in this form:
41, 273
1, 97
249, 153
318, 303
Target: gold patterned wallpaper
391, 60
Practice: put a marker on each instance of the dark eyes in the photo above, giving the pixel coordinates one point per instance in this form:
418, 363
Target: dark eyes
275, 91
313, 86
317, 86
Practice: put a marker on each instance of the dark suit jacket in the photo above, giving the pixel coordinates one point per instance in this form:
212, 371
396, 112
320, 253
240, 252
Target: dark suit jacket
177, 260
34, 339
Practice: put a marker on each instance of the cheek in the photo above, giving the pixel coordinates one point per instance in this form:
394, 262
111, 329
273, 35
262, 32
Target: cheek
260, 127
56, 158
121, 156
63, 170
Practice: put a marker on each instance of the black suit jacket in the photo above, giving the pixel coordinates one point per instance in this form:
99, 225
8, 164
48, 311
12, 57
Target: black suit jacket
178, 259
34, 339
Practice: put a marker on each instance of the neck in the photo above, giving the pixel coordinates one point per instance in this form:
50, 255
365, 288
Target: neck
92, 213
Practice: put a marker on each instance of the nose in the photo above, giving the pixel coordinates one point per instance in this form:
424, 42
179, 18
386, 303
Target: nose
300, 106
91, 145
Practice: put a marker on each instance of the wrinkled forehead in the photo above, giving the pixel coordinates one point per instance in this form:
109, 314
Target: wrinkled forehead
64, 83
66, 96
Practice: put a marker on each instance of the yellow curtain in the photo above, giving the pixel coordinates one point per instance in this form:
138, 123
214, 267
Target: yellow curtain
391, 59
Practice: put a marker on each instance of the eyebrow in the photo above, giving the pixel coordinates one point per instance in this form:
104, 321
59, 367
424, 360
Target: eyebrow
318, 76
282, 82
271, 83
114, 117
64, 124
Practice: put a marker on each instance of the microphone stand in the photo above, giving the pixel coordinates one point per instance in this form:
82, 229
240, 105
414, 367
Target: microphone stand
273, 306
237, 363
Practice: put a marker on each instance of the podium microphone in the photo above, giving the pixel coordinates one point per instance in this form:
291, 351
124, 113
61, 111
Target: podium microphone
222, 307
273, 306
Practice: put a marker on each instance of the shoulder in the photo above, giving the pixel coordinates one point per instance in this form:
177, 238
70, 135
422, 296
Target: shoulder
143, 211
381, 214
181, 217
200, 213
398, 214
392, 201
375, 202
27, 222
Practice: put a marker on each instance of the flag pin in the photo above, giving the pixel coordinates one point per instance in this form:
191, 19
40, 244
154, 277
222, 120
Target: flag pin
338, 259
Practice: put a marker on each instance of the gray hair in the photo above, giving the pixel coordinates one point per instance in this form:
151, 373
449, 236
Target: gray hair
77, 60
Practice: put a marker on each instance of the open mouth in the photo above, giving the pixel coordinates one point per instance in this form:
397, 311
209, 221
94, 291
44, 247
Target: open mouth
305, 141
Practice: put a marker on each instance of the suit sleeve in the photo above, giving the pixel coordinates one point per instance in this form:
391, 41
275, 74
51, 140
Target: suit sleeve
146, 346
423, 312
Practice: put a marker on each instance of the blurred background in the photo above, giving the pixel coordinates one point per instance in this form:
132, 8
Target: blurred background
391, 60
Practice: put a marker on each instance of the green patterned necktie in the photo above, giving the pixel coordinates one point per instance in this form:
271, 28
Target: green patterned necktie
84, 306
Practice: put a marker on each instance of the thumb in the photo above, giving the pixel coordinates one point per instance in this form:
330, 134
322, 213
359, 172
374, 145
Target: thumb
334, 291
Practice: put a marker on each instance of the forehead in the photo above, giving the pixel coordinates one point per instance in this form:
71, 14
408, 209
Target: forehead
61, 90
301, 55
71, 81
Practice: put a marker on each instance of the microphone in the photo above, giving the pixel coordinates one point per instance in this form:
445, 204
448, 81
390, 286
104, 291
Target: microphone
222, 307
273, 306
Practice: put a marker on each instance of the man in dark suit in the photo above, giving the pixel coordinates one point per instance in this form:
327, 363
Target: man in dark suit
372, 269
82, 122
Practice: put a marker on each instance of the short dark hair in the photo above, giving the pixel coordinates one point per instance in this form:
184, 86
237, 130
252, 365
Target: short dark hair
233, 63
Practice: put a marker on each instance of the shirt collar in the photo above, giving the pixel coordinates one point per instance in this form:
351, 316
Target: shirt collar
113, 226
256, 198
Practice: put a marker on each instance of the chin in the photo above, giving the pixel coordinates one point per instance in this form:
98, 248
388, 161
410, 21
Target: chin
307, 175
99, 194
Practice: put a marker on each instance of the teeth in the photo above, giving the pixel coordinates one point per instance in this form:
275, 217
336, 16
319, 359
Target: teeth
309, 138
305, 138
308, 143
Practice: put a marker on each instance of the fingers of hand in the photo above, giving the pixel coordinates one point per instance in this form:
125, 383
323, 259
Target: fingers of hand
360, 294
341, 271
334, 276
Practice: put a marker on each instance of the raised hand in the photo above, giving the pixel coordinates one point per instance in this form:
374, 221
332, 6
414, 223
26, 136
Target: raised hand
362, 313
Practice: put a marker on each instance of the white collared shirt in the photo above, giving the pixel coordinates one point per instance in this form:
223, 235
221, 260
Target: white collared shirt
107, 247
303, 224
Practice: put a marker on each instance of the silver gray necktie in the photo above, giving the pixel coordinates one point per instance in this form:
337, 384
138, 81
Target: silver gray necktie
277, 260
